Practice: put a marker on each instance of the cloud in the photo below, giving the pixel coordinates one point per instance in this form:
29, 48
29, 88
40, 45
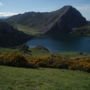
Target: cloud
85, 10
1, 4
83, 7
7, 13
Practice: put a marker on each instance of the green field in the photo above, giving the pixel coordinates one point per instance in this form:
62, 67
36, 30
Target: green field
12, 78
27, 30
35, 52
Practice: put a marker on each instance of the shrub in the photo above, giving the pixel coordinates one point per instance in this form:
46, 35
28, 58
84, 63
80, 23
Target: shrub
20, 60
15, 59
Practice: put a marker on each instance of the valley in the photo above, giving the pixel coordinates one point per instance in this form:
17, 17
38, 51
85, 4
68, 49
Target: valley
45, 50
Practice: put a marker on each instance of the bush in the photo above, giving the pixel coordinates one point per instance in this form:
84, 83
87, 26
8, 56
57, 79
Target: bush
20, 60
15, 59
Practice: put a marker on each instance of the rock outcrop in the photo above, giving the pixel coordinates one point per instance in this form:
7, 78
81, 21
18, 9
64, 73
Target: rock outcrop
70, 18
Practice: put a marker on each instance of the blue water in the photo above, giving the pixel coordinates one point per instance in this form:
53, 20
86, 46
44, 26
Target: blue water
66, 43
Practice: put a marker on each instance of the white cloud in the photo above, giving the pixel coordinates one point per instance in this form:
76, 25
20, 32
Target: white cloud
85, 10
83, 7
1, 4
7, 14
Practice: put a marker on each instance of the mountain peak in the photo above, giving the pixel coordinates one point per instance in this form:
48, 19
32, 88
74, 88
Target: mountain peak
68, 18
68, 6
59, 21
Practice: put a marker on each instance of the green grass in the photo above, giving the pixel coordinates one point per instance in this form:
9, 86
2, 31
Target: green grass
72, 54
12, 78
35, 52
27, 30
84, 31
8, 50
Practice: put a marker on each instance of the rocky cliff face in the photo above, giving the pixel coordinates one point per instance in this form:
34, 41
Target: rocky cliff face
9, 36
70, 18
56, 22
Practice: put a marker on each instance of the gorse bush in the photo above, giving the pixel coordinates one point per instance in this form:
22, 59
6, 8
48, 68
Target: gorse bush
20, 60
15, 59
80, 64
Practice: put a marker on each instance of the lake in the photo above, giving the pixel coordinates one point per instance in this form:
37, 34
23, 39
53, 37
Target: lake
64, 43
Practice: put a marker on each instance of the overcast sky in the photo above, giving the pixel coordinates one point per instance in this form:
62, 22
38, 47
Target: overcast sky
12, 7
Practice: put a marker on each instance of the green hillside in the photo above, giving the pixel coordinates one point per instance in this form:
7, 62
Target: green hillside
36, 52
85, 30
55, 22
12, 78
27, 29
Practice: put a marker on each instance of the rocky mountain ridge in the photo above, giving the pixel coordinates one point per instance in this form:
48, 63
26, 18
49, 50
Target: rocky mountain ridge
56, 22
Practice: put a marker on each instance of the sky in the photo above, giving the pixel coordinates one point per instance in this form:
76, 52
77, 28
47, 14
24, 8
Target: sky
12, 7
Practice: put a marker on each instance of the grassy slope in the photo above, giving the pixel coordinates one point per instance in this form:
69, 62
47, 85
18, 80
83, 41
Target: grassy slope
72, 54
43, 79
85, 30
27, 30
36, 52
8, 50
12, 78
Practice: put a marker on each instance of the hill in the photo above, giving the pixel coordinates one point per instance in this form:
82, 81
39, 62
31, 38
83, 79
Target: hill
59, 21
12, 78
84, 30
9, 36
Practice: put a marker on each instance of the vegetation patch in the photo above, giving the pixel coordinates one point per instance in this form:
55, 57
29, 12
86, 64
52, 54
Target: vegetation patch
21, 60
84, 31
13, 78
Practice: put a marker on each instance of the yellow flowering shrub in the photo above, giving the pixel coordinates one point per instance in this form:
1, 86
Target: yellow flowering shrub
20, 60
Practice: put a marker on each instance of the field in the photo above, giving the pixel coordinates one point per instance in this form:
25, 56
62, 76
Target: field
36, 52
12, 78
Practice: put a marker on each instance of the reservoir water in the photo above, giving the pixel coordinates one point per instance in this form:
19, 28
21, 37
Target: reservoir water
65, 43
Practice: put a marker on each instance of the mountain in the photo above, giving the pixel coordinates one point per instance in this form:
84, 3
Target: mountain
10, 36
69, 19
85, 30
56, 22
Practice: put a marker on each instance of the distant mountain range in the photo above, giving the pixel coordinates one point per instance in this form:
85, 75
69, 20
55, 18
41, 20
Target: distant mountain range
56, 22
